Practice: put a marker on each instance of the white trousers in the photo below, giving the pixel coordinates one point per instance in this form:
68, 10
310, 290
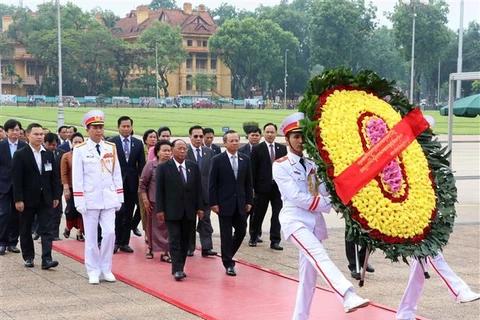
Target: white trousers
97, 260
416, 283
314, 260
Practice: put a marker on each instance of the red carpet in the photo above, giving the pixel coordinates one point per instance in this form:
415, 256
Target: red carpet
255, 293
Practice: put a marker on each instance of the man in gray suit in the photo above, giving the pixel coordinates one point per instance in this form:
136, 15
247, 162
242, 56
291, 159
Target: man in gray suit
201, 155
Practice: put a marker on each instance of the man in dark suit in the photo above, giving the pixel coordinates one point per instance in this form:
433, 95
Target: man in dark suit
131, 157
266, 190
178, 199
254, 136
67, 145
50, 142
9, 216
202, 156
36, 191
231, 196
209, 134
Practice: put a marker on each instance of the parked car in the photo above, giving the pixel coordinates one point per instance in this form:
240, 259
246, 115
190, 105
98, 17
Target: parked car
203, 104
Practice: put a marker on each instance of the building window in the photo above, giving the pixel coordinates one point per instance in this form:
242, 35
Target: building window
199, 43
213, 63
189, 63
189, 83
189, 43
201, 62
205, 43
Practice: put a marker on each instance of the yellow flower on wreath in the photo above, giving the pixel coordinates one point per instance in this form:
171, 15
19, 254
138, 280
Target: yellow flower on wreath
342, 139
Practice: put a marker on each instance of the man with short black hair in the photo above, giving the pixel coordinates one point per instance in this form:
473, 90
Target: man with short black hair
254, 136
36, 191
208, 137
62, 134
50, 142
202, 156
131, 157
9, 216
266, 189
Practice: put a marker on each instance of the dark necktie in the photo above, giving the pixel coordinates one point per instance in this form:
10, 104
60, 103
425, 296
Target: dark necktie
126, 148
302, 162
199, 159
180, 169
272, 153
98, 148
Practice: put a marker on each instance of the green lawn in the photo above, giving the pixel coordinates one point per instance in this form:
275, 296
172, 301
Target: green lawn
180, 120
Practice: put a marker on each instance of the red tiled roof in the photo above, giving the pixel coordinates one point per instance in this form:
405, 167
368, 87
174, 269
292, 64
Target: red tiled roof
128, 27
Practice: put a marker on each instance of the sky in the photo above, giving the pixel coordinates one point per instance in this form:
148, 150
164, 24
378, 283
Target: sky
122, 7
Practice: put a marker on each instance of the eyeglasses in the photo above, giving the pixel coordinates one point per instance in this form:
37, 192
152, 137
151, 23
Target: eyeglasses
196, 136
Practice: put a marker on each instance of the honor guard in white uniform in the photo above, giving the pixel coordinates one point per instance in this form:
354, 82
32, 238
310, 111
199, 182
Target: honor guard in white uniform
457, 288
98, 193
305, 200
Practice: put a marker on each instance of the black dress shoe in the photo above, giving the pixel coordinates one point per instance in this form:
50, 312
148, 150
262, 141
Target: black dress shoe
370, 268
13, 249
49, 264
115, 248
252, 243
2, 250
56, 239
126, 248
29, 263
259, 239
355, 274
190, 253
276, 246
178, 275
36, 236
137, 232
231, 271
210, 252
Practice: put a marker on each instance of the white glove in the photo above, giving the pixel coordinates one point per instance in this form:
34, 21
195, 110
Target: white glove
118, 207
323, 190
324, 205
82, 210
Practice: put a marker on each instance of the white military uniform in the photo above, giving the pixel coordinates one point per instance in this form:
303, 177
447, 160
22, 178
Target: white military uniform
98, 192
305, 199
455, 286
303, 225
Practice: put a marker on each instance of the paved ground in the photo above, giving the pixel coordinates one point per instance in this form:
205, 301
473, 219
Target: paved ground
64, 293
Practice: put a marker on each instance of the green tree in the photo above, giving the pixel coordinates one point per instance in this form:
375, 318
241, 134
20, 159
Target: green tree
125, 55
253, 50
476, 87
6, 10
167, 41
382, 55
338, 30
203, 82
432, 37
163, 4
11, 74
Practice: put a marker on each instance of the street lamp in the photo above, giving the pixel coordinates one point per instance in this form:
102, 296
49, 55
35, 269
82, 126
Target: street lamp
156, 73
285, 81
61, 118
460, 52
412, 67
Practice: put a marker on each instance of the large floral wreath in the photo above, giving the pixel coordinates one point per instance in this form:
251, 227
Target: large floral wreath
408, 209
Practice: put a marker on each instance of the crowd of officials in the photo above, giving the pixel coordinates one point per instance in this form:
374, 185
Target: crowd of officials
112, 184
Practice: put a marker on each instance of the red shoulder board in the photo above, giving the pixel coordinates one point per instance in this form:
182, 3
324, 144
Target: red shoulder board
281, 159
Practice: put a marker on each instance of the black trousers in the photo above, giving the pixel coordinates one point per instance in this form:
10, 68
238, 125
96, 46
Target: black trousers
44, 216
261, 206
231, 242
350, 252
57, 217
178, 240
204, 229
9, 220
123, 219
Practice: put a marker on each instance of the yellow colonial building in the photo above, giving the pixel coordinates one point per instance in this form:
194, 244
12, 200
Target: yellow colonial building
197, 26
